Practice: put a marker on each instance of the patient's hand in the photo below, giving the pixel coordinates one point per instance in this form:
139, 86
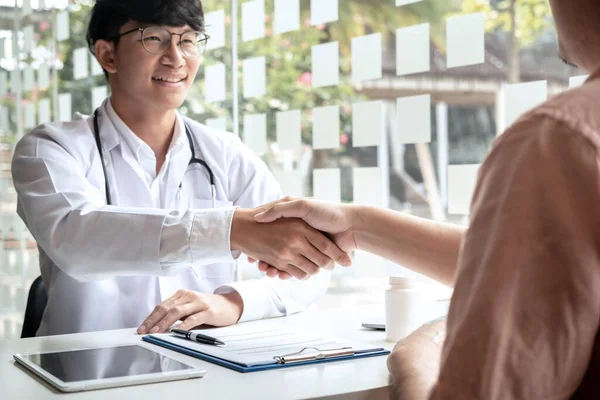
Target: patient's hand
194, 309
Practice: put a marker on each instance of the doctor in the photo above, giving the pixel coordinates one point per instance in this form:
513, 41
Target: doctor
135, 208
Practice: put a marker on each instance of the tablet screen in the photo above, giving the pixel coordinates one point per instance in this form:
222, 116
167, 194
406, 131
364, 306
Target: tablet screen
114, 362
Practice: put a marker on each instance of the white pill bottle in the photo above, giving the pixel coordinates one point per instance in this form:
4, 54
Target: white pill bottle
406, 308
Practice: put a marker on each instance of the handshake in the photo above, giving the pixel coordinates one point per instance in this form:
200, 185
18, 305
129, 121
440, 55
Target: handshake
295, 237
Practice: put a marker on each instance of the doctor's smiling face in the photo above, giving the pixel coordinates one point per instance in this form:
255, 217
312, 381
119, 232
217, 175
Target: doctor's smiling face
149, 50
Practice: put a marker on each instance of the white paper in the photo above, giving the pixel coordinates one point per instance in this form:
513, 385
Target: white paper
327, 184
255, 77
465, 35
291, 182
43, 76
255, 132
576, 81
4, 118
404, 2
287, 16
28, 39
29, 115
26, 8
289, 130
326, 127
3, 83
252, 345
43, 111
2, 48
96, 68
520, 98
253, 20
461, 185
367, 123
15, 81
99, 94
414, 119
326, 64
214, 83
323, 11
28, 79
80, 63
64, 107
63, 31
219, 123
368, 187
412, 50
215, 28
366, 58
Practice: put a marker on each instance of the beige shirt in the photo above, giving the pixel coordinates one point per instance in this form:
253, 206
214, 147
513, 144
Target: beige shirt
524, 319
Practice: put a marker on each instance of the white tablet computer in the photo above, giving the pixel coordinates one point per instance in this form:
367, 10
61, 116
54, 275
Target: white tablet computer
79, 370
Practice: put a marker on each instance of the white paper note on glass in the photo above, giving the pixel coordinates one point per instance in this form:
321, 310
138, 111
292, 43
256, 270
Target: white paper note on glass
64, 107
520, 98
465, 35
43, 76
63, 31
366, 58
4, 118
323, 11
413, 50
96, 68
28, 39
367, 123
80, 63
26, 8
414, 119
461, 185
368, 186
2, 48
214, 83
15, 80
291, 182
327, 184
29, 116
3, 83
287, 16
255, 132
99, 94
326, 127
28, 78
289, 130
326, 64
43, 111
255, 80
253, 20
575, 81
219, 123
215, 28
404, 2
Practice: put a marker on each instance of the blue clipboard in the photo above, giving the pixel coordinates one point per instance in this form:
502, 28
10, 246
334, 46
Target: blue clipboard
266, 367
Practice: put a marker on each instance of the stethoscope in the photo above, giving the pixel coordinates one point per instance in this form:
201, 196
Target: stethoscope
193, 160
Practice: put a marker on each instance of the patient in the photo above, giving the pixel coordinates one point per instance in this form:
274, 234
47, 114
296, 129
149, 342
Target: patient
524, 318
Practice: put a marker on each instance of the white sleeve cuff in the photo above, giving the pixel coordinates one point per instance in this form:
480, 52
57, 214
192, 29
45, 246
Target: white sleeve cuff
260, 300
210, 236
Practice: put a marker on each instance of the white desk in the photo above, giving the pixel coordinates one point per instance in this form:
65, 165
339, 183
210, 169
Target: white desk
356, 379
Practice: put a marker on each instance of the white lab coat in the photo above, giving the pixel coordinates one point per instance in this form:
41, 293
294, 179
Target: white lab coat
107, 267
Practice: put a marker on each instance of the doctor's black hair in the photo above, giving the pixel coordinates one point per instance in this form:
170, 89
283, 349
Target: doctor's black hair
108, 16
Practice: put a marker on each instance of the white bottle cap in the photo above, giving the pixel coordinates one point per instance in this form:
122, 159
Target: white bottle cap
404, 282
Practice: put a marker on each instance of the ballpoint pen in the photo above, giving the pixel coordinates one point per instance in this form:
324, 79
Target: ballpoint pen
198, 337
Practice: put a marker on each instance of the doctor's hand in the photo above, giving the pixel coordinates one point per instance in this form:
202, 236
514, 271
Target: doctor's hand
289, 245
194, 309
332, 218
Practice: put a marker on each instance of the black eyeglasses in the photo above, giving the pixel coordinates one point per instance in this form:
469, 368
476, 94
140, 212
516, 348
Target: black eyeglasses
157, 40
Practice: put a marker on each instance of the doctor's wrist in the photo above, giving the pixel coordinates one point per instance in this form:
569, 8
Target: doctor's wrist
239, 231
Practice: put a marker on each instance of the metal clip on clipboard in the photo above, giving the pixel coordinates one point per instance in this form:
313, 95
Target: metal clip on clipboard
321, 354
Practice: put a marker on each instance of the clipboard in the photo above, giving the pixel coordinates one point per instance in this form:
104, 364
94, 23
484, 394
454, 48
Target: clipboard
295, 359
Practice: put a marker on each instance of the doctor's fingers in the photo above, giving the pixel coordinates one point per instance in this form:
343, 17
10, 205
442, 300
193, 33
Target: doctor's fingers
160, 311
273, 272
177, 312
331, 253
